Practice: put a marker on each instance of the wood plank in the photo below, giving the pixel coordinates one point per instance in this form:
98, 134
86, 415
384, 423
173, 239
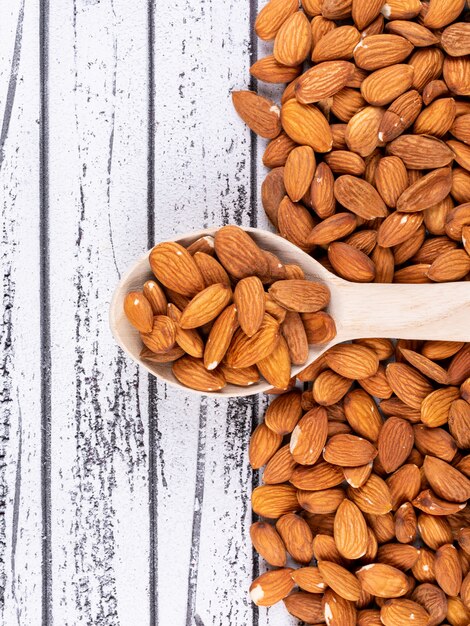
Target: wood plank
20, 394
203, 177
98, 205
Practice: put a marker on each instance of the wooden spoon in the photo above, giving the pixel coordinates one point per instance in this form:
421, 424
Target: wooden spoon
440, 311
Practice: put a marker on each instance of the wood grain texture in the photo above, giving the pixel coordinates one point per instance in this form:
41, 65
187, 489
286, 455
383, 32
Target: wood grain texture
20, 426
97, 92
203, 176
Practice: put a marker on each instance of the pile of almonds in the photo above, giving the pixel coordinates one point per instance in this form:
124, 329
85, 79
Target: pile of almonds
370, 147
364, 514
208, 312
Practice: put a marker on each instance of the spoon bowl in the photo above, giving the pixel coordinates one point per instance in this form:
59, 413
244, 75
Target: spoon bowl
438, 311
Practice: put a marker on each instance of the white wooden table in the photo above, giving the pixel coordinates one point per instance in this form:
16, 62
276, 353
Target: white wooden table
123, 502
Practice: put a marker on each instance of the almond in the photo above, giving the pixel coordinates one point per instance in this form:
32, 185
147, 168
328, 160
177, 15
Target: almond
395, 443
394, 230
297, 537
337, 610
321, 502
360, 197
426, 366
421, 152
321, 191
191, 372
249, 301
344, 162
443, 12
309, 436
350, 263
365, 11
381, 51
277, 151
352, 361
284, 413
320, 327
205, 306
459, 423
211, 270
455, 39
451, 265
272, 16
323, 80
300, 295
304, 606
435, 441
316, 478
272, 501
268, 543
430, 503
293, 40
220, 337
309, 579
349, 450
362, 414
156, 296
391, 179
332, 228
383, 581
260, 114
244, 376
436, 119
263, 445
295, 223
298, 172
433, 90
447, 482
239, 254
350, 531
433, 600
386, 84
399, 612
436, 406
408, 384
161, 357
276, 366
306, 125
280, 467
401, 556
337, 44
343, 582
417, 34
427, 65
448, 569
401, 9
357, 476
330, 387
139, 311
361, 134
176, 269
271, 587
296, 337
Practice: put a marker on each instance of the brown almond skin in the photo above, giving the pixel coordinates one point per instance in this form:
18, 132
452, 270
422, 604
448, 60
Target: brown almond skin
301, 296
191, 373
268, 544
249, 300
239, 254
139, 311
175, 268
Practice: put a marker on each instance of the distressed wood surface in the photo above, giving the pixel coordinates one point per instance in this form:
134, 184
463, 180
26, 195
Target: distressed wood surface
123, 502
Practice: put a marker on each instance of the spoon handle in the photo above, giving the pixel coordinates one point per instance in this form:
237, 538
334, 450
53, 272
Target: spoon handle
437, 311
